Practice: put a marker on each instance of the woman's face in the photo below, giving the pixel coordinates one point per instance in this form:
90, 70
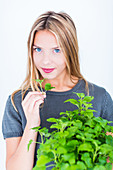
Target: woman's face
48, 56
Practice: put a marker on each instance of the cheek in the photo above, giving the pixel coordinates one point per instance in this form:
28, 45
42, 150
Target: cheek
36, 60
61, 62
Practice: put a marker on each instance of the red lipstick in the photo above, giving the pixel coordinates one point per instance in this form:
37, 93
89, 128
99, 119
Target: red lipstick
47, 70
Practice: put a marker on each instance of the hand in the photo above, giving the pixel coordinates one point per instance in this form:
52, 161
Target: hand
109, 133
31, 105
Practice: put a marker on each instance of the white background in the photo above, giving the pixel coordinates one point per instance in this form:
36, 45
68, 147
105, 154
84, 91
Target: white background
94, 23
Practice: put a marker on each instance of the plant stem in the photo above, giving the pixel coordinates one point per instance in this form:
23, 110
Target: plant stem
42, 139
38, 142
94, 157
50, 165
41, 87
55, 157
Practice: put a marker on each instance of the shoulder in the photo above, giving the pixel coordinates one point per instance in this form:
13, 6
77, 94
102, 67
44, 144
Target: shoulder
15, 99
102, 102
18, 96
13, 121
101, 95
96, 90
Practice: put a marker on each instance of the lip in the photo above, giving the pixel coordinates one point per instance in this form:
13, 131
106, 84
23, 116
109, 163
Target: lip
47, 70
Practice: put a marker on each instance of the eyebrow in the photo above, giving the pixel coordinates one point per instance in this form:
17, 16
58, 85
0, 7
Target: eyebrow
42, 48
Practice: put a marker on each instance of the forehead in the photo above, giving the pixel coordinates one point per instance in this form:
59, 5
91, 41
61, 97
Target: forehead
45, 38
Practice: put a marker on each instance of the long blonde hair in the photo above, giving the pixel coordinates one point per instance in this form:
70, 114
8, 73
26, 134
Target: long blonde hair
64, 28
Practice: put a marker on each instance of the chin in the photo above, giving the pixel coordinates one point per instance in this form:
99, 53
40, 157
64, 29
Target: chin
50, 77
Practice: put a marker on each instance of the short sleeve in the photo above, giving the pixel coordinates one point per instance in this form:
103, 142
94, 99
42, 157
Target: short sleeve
108, 107
11, 123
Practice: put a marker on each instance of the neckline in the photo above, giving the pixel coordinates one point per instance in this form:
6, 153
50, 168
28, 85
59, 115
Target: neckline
66, 92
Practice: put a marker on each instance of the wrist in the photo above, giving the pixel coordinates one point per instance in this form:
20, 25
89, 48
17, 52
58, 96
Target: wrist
32, 125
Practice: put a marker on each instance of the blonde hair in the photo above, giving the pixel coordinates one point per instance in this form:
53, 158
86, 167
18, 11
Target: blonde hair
64, 28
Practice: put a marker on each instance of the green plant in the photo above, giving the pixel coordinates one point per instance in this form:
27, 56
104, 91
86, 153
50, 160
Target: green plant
79, 141
47, 85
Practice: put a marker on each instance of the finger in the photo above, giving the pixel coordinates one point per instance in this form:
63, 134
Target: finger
109, 133
34, 102
38, 102
30, 94
30, 103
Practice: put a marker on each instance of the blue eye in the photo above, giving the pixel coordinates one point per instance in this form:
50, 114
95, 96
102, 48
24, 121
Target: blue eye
38, 49
57, 50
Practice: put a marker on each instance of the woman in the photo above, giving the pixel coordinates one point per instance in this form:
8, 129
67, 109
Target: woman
52, 54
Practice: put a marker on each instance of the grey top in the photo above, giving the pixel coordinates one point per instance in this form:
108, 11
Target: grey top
13, 123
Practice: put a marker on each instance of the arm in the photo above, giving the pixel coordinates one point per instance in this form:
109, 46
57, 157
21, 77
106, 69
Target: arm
17, 156
16, 150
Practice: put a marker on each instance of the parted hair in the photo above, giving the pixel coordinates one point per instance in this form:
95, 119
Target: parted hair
63, 27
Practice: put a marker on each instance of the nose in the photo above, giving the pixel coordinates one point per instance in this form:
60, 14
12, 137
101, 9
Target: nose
46, 58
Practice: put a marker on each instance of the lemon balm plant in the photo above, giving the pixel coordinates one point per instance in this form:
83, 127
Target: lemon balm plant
79, 141
47, 85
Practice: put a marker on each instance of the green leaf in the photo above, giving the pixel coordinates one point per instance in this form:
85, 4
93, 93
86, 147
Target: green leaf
29, 144
73, 143
90, 122
96, 143
80, 166
48, 86
36, 128
109, 140
105, 149
39, 81
64, 166
90, 110
45, 147
60, 135
108, 166
43, 131
70, 157
111, 156
89, 136
88, 113
73, 101
62, 141
99, 167
101, 121
87, 105
56, 126
72, 131
62, 113
86, 158
88, 98
98, 128
35, 168
42, 160
108, 128
47, 135
61, 150
55, 168
39, 168
78, 124
102, 160
65, 134
52, 120
85, 147
80, 95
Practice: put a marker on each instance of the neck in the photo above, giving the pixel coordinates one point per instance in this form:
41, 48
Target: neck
63, 84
